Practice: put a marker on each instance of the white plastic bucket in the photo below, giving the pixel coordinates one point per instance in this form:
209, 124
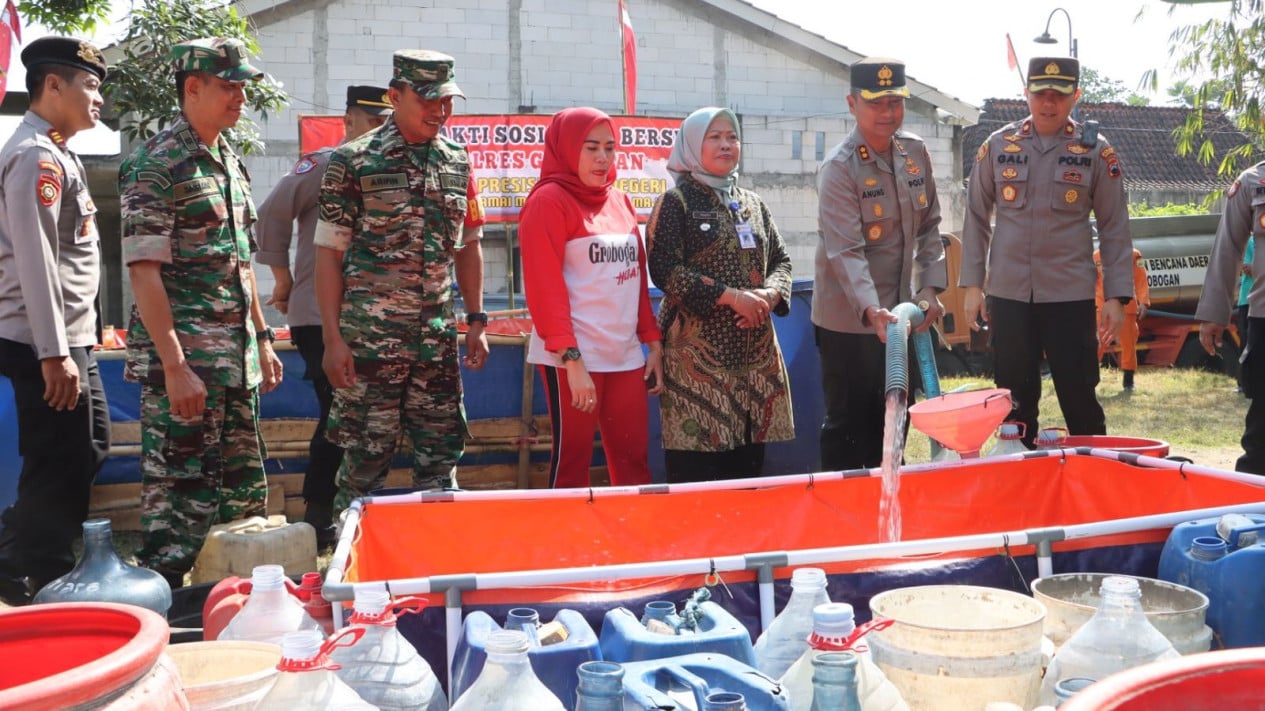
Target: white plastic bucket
225, 676
955, 647
1175, 610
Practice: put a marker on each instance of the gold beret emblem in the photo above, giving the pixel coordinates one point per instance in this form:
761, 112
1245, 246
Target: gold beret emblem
386, 98
885, 76
88, 53
1051, 68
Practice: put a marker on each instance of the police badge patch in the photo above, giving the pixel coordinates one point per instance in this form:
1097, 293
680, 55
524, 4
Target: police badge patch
304, 165
48, 190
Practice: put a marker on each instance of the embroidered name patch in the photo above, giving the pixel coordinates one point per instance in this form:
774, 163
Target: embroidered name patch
383, 181
197, 187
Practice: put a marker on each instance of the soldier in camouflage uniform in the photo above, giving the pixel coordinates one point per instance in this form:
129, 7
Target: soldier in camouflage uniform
187, 215
398, 210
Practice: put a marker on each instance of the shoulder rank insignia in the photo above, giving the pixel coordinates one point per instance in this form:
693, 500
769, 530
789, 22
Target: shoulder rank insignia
863, 152
1069, 129
1026, 128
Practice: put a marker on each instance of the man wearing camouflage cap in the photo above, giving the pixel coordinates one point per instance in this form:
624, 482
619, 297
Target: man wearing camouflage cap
879, 222
197, 341
1041, 177
398, 210
50, 266
294, 199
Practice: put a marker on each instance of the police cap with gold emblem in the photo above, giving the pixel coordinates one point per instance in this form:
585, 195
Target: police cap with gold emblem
875, 77
66, 51
372, 100
1061, 74
222, 57
430, 74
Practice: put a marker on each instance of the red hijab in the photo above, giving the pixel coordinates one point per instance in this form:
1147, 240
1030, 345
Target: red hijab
564, 138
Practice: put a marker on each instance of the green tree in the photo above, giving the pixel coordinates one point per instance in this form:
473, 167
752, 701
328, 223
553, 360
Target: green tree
142, 88
65, 17
1183, 93
1097, 88
1223, 60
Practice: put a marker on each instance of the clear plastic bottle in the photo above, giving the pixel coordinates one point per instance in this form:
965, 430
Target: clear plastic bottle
1117, 637
835, 679
833, 628
786, 639
507, 682
1009, 440
725, 701
306, 681
270, 611
383, 667
601, 687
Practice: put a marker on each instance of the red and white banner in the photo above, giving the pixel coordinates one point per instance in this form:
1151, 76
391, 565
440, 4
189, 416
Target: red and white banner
628, 42
506, 152
10, 29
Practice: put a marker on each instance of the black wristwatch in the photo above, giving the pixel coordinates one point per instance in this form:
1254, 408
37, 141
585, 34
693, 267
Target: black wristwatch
477, 317
570, 354
267, 334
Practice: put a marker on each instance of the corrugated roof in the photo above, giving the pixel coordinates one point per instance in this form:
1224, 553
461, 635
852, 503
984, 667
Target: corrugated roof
1142, 135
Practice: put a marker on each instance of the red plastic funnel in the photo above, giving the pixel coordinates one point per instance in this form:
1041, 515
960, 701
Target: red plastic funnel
962, 421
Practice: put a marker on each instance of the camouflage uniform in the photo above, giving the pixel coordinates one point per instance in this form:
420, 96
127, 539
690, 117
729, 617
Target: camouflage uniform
396, 210
188, 206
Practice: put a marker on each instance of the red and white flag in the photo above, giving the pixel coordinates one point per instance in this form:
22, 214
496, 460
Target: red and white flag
10, 29
1012, 60
630, 59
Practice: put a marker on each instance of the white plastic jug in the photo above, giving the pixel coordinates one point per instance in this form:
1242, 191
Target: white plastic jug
786, 639
507, 682
383, 667
834, 630
270, 611
305, 680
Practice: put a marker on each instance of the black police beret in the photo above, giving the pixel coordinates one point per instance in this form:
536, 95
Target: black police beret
370, 99
66, 51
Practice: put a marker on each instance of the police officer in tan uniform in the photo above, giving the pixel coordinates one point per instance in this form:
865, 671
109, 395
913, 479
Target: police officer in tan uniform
294, 199
1242, 219
50, 267
879, 221
1042, 177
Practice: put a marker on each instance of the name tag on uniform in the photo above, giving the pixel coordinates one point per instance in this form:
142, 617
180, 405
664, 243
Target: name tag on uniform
746, 238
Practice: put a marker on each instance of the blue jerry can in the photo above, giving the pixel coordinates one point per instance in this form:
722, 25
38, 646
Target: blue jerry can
555, 664
626, 638
683, 682
1228, 569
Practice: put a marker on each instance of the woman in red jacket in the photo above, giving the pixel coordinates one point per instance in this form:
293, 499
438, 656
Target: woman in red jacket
584, 273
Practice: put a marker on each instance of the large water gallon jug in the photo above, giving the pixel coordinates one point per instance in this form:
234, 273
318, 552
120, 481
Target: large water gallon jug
306, 679
270, 611
1117, 637
1225, 560
686, 681
382, 666
236, 547
701, 627
601, 687
102, 576
834, 630
1009, 440
507, 682
786, 639
835, 682
556, 649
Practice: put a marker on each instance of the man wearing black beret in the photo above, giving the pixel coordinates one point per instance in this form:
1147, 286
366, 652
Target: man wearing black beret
294, 199
50, 266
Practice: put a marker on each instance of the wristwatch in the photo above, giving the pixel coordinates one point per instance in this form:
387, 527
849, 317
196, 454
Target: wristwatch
477, 317
267, 334
570, 354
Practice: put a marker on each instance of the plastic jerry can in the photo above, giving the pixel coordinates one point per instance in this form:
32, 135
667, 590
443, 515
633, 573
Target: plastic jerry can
713, 630
686, 681
236, 547
1223, 558
558, 648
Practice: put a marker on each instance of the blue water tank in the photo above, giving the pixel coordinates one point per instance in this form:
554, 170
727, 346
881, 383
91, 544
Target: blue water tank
555, 664
626, 639
683, 682
1228, 567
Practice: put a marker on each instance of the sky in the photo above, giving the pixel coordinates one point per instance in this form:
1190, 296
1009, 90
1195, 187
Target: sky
960, 47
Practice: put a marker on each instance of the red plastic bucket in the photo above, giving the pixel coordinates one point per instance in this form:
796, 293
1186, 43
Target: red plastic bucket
1136, 445
86, 655
1229, 679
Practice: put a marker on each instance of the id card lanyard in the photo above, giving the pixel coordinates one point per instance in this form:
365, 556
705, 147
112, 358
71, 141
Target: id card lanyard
746, 237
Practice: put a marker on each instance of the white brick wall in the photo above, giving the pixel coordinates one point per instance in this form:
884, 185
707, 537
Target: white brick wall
570, 55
